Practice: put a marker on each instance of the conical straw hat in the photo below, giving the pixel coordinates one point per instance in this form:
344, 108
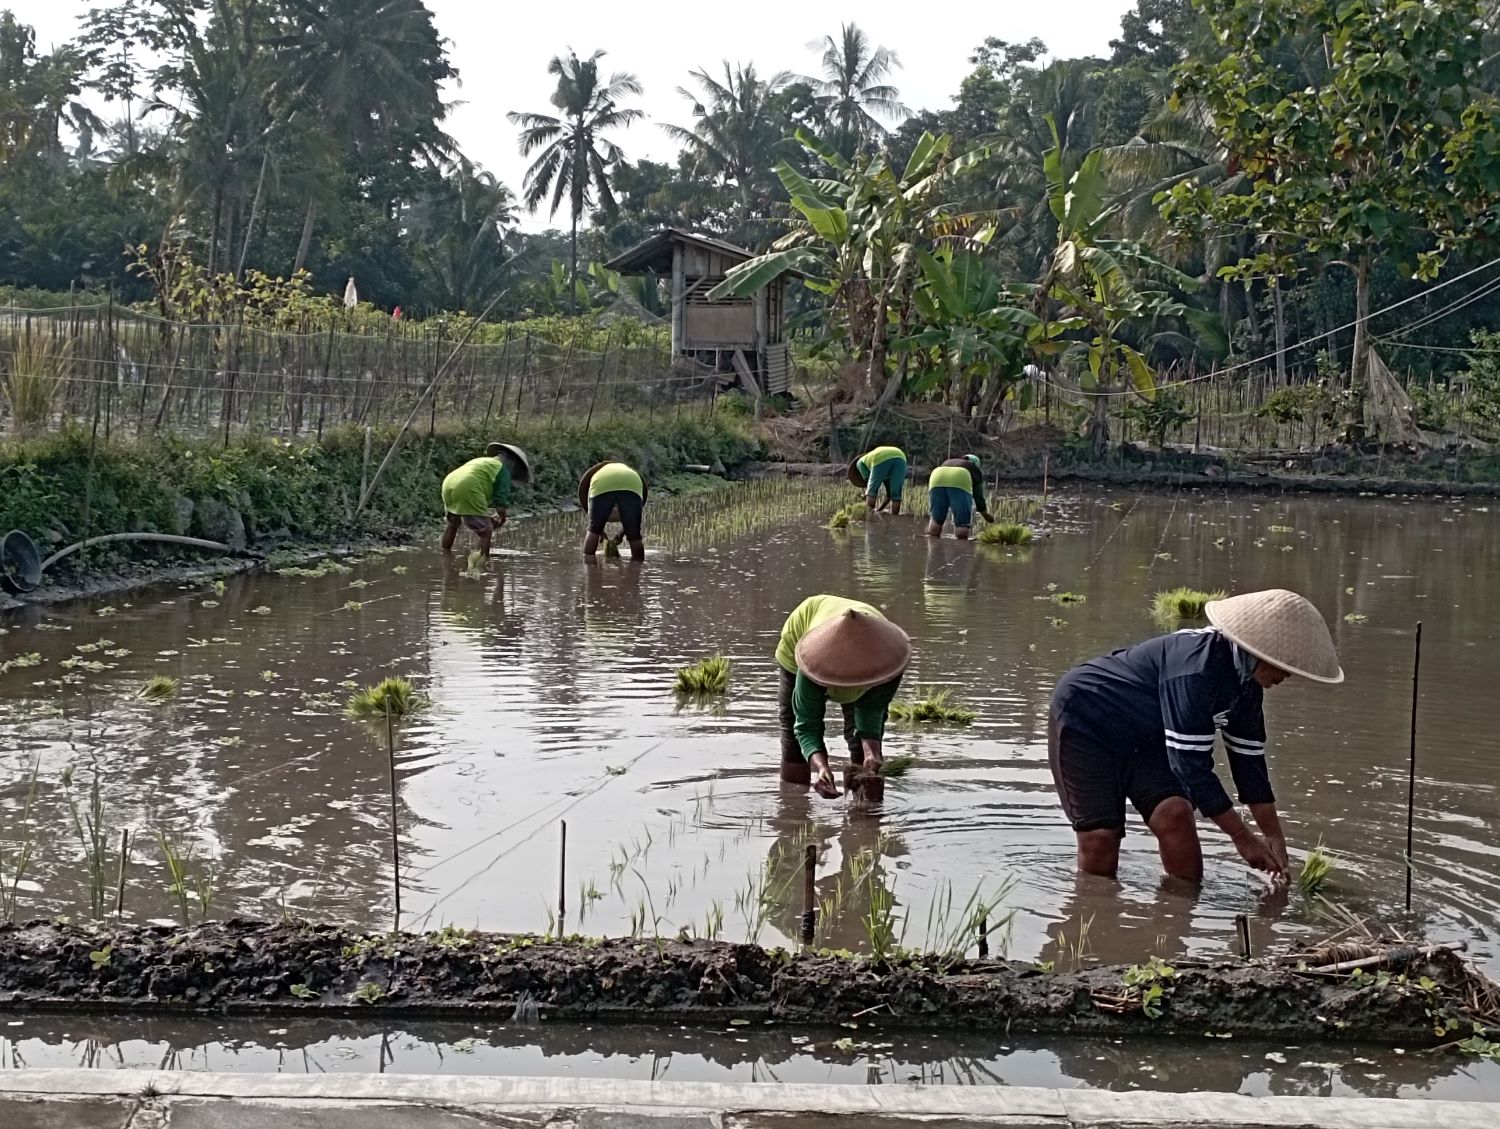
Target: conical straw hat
854, 649
1281, 627
519, 460
854, 476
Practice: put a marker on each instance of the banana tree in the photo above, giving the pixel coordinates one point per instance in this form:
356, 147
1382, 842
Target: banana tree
856, 238
972, 337
1102, 285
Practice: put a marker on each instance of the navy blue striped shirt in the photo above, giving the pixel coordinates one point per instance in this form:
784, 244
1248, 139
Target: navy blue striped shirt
1177, 691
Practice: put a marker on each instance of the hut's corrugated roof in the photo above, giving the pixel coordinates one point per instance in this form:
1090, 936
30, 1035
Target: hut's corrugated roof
654, 255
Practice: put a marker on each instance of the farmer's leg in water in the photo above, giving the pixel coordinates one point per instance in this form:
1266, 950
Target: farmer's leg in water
1090, 785
963, 513
450, 531
938, 505
794, 766
1176, 831
895, 483
600, 508
631, 509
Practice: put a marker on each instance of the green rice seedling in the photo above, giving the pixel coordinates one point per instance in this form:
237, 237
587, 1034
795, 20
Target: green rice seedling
159, 689
895, 767
395, 696
611, 547
933, 706
471, 571
1066, 598
950, 934
1006, 533
1181, 603
882, 921
709, 677
15, 858
89, 827
1315, 871
185, 882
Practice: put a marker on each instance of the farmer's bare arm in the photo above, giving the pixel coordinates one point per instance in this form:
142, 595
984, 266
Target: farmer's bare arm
1269, 822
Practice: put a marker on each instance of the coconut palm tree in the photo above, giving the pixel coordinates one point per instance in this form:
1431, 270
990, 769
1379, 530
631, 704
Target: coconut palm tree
573, 154
854, 86
370, 70
735, 132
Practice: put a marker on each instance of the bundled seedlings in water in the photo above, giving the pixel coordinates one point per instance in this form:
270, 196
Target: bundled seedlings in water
471, 571
325, 568
932, 706
1066, 598
395, 696
611, 547
1355, 617
159, 689
711, 676
1182, 603
854, 511
21, 662
1315, 871
893, 768
1006, 533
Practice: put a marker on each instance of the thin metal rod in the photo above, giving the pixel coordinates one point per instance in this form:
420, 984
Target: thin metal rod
1411, 780
562, 876
124, 862
809, 893
390, 746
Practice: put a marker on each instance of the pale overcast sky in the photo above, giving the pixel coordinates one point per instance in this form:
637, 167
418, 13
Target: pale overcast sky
501, 51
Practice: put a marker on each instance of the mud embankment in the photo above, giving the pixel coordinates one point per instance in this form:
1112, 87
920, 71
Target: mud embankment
249, 967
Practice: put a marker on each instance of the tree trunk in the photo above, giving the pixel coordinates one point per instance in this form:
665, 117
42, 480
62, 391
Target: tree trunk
306, 241
218, 226
260, 182
1098, 432
573, 289
1359, 364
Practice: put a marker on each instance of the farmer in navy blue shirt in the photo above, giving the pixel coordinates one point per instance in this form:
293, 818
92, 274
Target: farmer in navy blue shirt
1140, 724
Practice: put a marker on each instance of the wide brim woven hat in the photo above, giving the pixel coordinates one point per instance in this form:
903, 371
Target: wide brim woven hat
854, 649
1281, 627
583, 484
854, 476
518, 460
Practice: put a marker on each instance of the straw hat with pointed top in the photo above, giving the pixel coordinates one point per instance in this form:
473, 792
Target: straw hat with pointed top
854, 649
855, 477
1281, 627
518, 460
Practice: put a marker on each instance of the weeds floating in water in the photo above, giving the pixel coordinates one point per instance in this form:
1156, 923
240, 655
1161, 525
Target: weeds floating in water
932, 706
1066, 598
352, 605
711, 676
325, 568
1355, 617
395, 696
260, 609
1006, 533
893, 768
1181, 603
159, 689
1315, 871
21, 662
1056, 621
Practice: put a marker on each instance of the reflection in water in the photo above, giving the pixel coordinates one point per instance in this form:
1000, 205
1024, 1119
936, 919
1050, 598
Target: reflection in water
551, 679
737, 1054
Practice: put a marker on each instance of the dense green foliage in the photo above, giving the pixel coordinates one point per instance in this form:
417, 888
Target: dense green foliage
47, 487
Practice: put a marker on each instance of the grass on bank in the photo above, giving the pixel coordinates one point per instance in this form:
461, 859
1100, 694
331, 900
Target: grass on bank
932, 707
704, 679
394, 695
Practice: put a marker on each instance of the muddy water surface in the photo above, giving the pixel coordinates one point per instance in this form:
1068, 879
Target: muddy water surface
550, 681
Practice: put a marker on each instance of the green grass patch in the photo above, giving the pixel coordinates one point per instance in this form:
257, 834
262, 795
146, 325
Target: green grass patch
1181, 603
932, 707
709, 677
395, 696
159, 689
1006, 533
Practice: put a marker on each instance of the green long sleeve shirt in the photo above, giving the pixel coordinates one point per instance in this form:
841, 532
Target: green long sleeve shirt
809, 700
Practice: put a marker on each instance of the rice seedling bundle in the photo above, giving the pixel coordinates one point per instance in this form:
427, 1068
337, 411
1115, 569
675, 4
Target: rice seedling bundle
1182, 603
1006, 533
933, 706
1315, 871
711, 676
894, 767
159, 689
394, 695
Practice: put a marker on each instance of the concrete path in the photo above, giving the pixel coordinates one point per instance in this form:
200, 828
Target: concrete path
100, 1099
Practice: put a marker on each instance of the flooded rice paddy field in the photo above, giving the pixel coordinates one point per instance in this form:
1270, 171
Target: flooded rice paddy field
550, 682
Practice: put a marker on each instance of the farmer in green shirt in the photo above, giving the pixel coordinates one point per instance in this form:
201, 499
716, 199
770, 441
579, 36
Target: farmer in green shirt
477, 494
840, 649
884, 466
613, 491
956, 487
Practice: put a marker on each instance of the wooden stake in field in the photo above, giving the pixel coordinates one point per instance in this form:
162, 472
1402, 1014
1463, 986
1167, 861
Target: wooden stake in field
562, 877
390, 747
1411, 780
809, 893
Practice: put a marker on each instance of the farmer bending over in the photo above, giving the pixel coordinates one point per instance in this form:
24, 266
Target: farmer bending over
1140, 723
844, 650
956, 487
477, 494
612, 491
884, 466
